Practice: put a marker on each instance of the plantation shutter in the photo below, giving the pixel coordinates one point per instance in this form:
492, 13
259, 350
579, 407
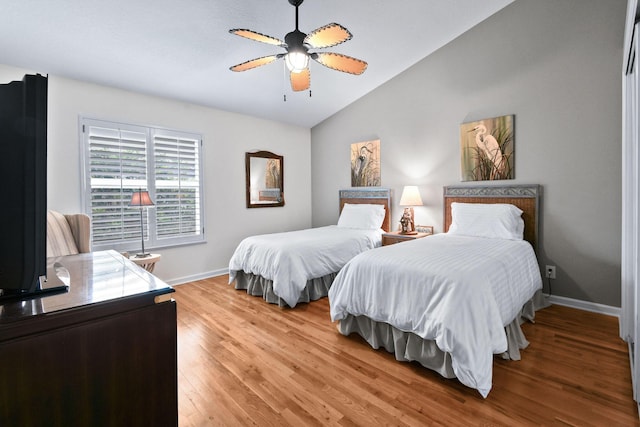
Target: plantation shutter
117, 167
177, 185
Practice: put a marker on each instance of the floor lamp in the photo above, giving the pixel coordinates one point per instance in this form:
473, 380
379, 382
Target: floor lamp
141, 199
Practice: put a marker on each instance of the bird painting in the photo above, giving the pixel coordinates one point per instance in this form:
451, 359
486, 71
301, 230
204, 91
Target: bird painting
487, 149
365, 164
490, 147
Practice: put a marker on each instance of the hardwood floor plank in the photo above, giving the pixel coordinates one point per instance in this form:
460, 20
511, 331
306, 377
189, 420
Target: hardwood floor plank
242, 361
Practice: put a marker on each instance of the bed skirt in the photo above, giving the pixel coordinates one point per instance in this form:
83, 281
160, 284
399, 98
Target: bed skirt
259, 286
407, 346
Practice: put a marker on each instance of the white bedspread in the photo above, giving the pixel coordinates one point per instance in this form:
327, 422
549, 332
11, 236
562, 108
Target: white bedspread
291, 259
459, 291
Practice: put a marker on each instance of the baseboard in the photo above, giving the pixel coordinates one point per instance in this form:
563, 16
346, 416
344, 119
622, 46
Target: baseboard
585, 305
195, 277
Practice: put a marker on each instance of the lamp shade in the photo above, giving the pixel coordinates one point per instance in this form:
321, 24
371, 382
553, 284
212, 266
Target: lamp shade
410, 196
141, 199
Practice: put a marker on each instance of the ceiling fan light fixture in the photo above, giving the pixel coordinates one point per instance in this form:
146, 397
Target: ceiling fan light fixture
297, 61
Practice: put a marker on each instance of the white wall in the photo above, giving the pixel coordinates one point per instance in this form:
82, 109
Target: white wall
556, 65
227, 136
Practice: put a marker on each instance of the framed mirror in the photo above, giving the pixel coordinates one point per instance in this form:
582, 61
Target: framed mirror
265, 179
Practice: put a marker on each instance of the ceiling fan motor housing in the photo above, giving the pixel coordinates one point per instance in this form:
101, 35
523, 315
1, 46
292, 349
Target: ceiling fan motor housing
295, 41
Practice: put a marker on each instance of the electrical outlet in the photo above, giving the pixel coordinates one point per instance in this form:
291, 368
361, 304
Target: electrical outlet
550, 271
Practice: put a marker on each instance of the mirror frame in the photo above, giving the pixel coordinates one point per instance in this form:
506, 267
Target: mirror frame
264, 155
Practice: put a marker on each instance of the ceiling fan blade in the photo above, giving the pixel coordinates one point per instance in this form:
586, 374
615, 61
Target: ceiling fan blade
340, 62
254, 63
301, 81
330, 35
252, 35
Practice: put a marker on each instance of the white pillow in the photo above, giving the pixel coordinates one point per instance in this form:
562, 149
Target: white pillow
364, 216
498, 221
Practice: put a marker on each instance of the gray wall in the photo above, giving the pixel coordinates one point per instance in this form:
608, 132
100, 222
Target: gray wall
556, 65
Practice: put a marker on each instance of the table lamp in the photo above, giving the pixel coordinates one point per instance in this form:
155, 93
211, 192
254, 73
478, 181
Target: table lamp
410, 198
141, 199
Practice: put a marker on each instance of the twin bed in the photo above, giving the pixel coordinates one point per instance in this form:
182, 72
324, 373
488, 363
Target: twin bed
449, 301
453, 300
299, 266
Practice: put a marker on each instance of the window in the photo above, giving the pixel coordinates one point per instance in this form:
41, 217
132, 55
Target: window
120, 159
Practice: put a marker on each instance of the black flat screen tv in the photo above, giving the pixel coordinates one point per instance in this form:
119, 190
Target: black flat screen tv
23, 170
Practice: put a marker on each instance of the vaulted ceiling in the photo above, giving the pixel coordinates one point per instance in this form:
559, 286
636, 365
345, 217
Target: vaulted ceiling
183, 50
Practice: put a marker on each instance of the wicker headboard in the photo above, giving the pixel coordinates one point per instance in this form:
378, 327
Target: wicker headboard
526, 197
370, 195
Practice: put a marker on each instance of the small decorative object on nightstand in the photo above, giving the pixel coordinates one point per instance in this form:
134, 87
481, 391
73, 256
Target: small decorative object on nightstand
428, 229
394, 237
147, 262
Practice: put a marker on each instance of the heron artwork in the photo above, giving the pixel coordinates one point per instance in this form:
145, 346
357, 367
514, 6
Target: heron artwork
487, 149
491, 149
365, 164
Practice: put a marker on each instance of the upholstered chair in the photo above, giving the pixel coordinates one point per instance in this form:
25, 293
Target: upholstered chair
68, 234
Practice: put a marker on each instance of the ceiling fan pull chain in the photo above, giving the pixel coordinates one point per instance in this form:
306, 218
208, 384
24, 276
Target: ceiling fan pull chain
284, 81
309, 93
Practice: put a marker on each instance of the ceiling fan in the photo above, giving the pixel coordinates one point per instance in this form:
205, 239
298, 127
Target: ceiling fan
297, 45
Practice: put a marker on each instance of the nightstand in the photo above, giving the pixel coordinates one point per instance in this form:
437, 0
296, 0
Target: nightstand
147, 262
393, 237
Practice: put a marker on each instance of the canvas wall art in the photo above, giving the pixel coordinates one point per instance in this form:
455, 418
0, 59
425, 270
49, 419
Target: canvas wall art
487, 149
365, 164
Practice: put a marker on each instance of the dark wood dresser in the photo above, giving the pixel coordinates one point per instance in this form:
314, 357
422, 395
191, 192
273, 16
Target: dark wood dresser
103, 353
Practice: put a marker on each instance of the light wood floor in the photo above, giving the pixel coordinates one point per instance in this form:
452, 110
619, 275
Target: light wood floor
243, 362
